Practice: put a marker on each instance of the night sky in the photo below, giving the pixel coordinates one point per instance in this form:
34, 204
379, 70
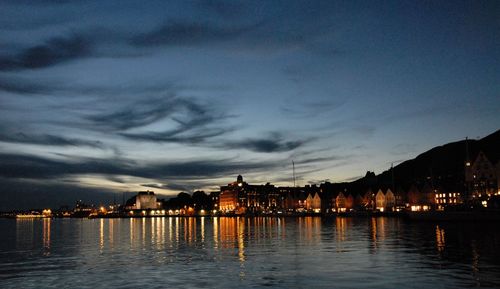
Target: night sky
103, 97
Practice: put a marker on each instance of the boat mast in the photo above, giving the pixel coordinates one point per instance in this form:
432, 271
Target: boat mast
392, 172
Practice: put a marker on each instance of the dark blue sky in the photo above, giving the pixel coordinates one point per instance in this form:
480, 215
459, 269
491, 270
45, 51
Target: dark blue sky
120, 96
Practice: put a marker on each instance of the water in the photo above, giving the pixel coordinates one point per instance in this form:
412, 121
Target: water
304, 252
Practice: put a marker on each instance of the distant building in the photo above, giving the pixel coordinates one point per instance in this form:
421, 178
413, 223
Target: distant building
145, 200
390, 201
380, 201
228, 201
313, 203
481, 177
340, 203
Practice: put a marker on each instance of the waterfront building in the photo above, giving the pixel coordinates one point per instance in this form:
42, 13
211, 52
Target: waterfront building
417, 201
313, 203
228, 201
482, 177
368, 197
380, 201
340, 203
390, 201
145, 200
358, 202
349, 202
445, 199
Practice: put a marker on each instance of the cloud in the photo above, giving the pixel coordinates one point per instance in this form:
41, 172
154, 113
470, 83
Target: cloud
311, 108
186, 186
351, 179
185, 134
26, 194
47, 139
185, 112
23, 86
275, 142
187, 33
37, 167
54, 51
188, 120
227, 9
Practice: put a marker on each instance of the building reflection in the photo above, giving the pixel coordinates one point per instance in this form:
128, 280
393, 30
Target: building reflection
202, 221
340, 226
309, 229
170, 232
230, 233
440, 239
25, 232
241, 239
111, 227
377, 232
101, 235
216, 232
475, 261
46, 236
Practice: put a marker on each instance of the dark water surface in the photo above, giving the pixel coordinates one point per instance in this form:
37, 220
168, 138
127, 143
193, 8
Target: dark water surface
306, 252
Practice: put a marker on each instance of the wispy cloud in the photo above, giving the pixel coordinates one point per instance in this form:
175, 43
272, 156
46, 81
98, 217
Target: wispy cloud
37, 167
274, 142
311, 108
188, 33
47, 139
54, 51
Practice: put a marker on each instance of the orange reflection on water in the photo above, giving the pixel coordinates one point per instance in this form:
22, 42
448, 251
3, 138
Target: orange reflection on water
101, 234
310, 229
228, 231
216, 232
132, 230
111, 223
440, 240
170, 232
24, 232
202, 220
241, 239
340, 225
232, 234
46, 235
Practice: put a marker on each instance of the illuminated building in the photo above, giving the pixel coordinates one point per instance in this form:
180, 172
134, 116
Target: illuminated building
313, 203
390, 200
380, 201
447, 199
143, 201
146, 200
228, 201
481, 177
340, 203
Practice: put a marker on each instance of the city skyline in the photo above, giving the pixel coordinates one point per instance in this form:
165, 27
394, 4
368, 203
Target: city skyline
187, 95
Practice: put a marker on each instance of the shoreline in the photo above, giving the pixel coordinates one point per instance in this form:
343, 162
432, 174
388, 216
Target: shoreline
478, 216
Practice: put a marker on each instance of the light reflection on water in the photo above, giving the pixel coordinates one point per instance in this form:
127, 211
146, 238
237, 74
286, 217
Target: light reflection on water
206, 252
